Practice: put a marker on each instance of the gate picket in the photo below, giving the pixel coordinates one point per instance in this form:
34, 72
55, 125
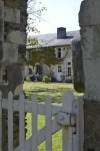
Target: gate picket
67, 102
48, 125
10, 121
0, 121
21, 123
34, 123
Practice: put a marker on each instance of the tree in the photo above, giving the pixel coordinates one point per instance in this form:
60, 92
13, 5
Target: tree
35, 11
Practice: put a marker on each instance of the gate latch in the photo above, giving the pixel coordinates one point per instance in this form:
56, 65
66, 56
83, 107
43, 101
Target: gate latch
66, 119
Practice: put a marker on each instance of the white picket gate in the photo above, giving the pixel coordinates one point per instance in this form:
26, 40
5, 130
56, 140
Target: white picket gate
68, 117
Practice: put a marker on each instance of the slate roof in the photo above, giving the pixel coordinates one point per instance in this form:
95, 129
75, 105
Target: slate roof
48, 40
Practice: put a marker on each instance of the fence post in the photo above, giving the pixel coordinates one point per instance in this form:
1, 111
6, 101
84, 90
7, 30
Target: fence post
0, 121
67, 105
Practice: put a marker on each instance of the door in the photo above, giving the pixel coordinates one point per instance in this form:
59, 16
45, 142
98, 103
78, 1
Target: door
68, 72
59, 73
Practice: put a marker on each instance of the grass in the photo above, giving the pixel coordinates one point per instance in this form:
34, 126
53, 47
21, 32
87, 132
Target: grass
55, 90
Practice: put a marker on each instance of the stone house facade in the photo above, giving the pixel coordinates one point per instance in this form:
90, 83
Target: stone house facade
61, 42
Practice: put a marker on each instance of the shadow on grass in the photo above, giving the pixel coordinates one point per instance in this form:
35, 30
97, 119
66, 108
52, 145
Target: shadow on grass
55, 90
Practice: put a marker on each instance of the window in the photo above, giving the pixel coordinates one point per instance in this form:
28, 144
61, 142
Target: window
59, 69
69, 71
38, 69
30, 71
69, 63
59, 53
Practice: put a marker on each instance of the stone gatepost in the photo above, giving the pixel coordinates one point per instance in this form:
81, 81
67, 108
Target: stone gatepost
89, 20
13, 22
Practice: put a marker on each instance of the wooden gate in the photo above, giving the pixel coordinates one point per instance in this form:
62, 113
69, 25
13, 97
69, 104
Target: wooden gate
68, 117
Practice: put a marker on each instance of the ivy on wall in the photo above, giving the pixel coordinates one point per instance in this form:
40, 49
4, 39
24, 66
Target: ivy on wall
44, 56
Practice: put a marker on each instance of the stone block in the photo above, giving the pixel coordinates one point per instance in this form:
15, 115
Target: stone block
1, 50
1, 29
22, 49
23, 23
19, 89
22, 54
10, 53
92, 79
17, 37
14, 72
12, 3
90, 42
11, 26
1, 9
77, 62
91, 126
89, 13
11, 15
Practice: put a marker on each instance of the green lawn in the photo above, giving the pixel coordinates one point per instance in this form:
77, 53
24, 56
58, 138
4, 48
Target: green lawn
55, 90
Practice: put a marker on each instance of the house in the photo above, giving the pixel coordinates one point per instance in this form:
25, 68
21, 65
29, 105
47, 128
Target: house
61, 42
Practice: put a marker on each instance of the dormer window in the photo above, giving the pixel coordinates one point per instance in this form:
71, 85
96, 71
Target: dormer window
59, 53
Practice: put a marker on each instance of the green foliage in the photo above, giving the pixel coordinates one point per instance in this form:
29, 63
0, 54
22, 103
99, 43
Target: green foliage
44, 56
46, 79
28, 79
32, 42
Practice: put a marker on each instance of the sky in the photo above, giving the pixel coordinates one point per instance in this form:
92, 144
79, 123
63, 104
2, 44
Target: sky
60, 13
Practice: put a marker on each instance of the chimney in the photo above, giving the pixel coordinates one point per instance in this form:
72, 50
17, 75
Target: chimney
61, 33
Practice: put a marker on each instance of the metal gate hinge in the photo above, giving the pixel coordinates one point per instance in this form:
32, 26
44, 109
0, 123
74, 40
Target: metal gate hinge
66, 119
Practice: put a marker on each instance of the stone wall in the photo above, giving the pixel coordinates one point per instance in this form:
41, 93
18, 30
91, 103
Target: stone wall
89, 19
90, 44
13, 22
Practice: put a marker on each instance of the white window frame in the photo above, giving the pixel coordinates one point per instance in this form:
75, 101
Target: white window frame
69, 69
59, 68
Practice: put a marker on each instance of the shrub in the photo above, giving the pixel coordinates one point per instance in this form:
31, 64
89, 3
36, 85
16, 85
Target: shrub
39, 78
28, 79
53, 79
33, 78
46, 79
